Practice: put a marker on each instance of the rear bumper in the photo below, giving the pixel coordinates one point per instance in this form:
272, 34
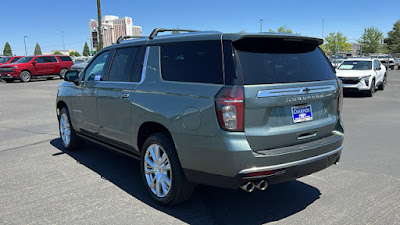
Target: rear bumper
228, 161
284, 172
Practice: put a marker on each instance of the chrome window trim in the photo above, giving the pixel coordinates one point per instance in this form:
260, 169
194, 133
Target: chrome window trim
146, 57
294, 91
290, 164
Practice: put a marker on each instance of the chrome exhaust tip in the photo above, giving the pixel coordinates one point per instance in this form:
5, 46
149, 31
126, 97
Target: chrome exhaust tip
248, 187
262, 185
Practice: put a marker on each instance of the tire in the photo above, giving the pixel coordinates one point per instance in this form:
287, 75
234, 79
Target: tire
383, 84
9, 80
371, 91
392, 67
179, 189
25, 76
68, 136
62, 73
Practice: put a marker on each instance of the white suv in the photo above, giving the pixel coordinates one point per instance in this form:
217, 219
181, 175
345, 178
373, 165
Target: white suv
362, 74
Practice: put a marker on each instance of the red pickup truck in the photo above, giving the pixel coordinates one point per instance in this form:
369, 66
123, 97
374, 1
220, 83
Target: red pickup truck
31, 67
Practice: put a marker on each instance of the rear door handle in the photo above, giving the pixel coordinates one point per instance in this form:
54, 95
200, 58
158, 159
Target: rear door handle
124, 95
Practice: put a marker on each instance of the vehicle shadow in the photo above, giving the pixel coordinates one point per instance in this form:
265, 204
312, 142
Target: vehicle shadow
208, 205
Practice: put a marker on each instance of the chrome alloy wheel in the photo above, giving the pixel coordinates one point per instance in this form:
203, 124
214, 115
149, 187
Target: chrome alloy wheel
65, 129
157, 169
25, 76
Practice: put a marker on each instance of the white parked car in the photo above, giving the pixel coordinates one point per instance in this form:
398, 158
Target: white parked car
362, 75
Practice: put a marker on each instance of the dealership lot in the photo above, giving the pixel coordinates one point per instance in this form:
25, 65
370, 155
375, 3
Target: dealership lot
40, 183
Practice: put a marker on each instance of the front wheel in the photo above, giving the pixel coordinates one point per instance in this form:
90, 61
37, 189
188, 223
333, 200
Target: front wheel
371, 91
383, 84
62, 73
67, 133
25, 76
162, 174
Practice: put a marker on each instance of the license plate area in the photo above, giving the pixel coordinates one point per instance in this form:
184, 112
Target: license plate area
301, 113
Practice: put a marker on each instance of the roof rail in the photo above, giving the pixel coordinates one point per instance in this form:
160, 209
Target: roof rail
158, 30
124, 37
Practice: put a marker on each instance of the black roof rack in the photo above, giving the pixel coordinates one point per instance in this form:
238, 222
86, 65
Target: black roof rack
158, 30
124, 37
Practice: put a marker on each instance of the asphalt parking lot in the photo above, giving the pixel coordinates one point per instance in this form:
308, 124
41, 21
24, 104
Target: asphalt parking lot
40, 183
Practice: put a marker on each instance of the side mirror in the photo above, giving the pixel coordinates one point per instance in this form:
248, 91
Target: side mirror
378, 68
34, 62
72, 76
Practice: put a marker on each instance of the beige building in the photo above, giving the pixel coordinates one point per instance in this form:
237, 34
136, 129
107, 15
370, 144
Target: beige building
112, 28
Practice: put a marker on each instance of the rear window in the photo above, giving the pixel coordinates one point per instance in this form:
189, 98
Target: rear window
65, 58
199, 62
269, 61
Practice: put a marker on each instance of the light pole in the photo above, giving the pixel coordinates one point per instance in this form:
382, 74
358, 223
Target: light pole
25, 44
62, 34
100, 44
261, 20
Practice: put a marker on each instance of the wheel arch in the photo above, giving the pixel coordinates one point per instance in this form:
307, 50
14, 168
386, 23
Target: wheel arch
148, 128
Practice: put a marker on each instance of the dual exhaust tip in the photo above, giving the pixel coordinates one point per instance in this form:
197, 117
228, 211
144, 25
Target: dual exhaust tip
250, 186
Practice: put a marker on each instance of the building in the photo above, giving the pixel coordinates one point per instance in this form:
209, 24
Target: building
113, 27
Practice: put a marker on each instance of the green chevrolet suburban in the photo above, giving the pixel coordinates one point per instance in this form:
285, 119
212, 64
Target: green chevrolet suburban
228, 110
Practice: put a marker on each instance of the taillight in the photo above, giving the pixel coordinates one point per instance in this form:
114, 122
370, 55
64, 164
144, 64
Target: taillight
229, 106
340, 99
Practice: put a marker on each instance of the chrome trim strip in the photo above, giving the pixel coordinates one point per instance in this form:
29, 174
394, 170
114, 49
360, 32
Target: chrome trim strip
289, 164
146, 57
295, 91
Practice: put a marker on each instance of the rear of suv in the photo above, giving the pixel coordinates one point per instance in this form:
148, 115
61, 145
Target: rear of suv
35, 67
227, 110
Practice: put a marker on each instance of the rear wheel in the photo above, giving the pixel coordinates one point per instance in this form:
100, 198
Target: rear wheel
162, 174
62, 73
371, 91
25, 76
383, 84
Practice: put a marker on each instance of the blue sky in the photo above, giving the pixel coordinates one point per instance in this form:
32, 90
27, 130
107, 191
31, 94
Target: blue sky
44, 21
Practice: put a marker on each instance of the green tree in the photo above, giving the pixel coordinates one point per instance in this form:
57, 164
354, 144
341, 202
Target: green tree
336, 42
393, 40
7, 50
38, 50
370, 40
57, 53
86, 51
283, 29
74, 54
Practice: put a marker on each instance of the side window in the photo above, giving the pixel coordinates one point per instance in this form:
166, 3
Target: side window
49, 59
39, 60
136, 73
65, 58
122, 64
375, 64
96, 69
199, 62
14, 60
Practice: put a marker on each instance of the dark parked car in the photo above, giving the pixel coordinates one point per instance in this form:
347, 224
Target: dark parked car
228, 110
31, 67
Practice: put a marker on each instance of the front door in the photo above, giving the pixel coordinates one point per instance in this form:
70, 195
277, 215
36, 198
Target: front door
85, 106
